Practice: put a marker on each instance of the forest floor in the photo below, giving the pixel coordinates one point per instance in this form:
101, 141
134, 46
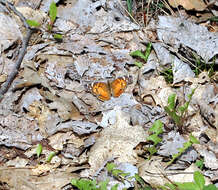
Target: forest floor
108, 94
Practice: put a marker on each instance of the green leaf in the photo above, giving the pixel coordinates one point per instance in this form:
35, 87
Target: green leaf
50, 156
53, 12
154, 138
49, 27
139, 180
74, 182
192, 93
138, 53
110, 167
173, 115
210, 187
115, 187
58, 36
39, 150
152, 150
138, 64
200, 163
32, 23
84, 184
186, 145
146, 188
183, 108
193, 139
124, 174
171, 186
172, 102
116, 172
157, 127
129, 6
103, 184
187, 186
148, 51
199, 179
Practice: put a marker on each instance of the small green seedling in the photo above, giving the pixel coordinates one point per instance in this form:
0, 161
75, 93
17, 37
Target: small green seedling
192, 140
178, 115
50, 156
118, 174
52, 15
121, 176
141, 55
39, 150
138, 64
201, 65
197, 184
168, 75
32, 23
58, 37
129, 6
87, 184
155, 130
200, 163
141, 183
52, 18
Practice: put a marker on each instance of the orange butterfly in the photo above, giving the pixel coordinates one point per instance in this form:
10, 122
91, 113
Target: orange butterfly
103, 90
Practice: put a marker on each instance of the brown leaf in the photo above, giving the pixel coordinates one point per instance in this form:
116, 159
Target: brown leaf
198, 5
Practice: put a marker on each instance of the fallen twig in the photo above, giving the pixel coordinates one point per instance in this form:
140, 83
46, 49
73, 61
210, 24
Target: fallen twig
11, 77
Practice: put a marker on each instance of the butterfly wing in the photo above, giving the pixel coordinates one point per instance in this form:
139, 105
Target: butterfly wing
118, 86
101, 91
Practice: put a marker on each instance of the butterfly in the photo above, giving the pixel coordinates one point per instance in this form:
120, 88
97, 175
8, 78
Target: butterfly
103, 90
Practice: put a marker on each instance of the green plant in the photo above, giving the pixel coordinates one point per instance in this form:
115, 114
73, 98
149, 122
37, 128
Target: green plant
200, 65
197, 184
118, 174
178, 114
50, 156
211, 67
200, 163
141, 183
168, 75
192, 140
141, 55
39, 150
52, 15
87, 184
155, 130
52, 18
32, 23
129, 6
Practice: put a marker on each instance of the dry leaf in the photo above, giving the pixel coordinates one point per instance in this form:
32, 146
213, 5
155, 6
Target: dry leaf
116, 141
153, 173
3, 78
46, 118
198, 5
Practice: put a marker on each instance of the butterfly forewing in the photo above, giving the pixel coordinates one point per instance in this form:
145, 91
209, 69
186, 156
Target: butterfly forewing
118, 86
101, 90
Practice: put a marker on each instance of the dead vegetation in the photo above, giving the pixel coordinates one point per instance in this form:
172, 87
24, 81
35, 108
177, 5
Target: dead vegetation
74, 98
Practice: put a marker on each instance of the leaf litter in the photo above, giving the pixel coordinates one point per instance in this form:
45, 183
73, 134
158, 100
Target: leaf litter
50, 100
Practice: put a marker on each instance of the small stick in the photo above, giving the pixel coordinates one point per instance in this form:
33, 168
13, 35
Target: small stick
11, 77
